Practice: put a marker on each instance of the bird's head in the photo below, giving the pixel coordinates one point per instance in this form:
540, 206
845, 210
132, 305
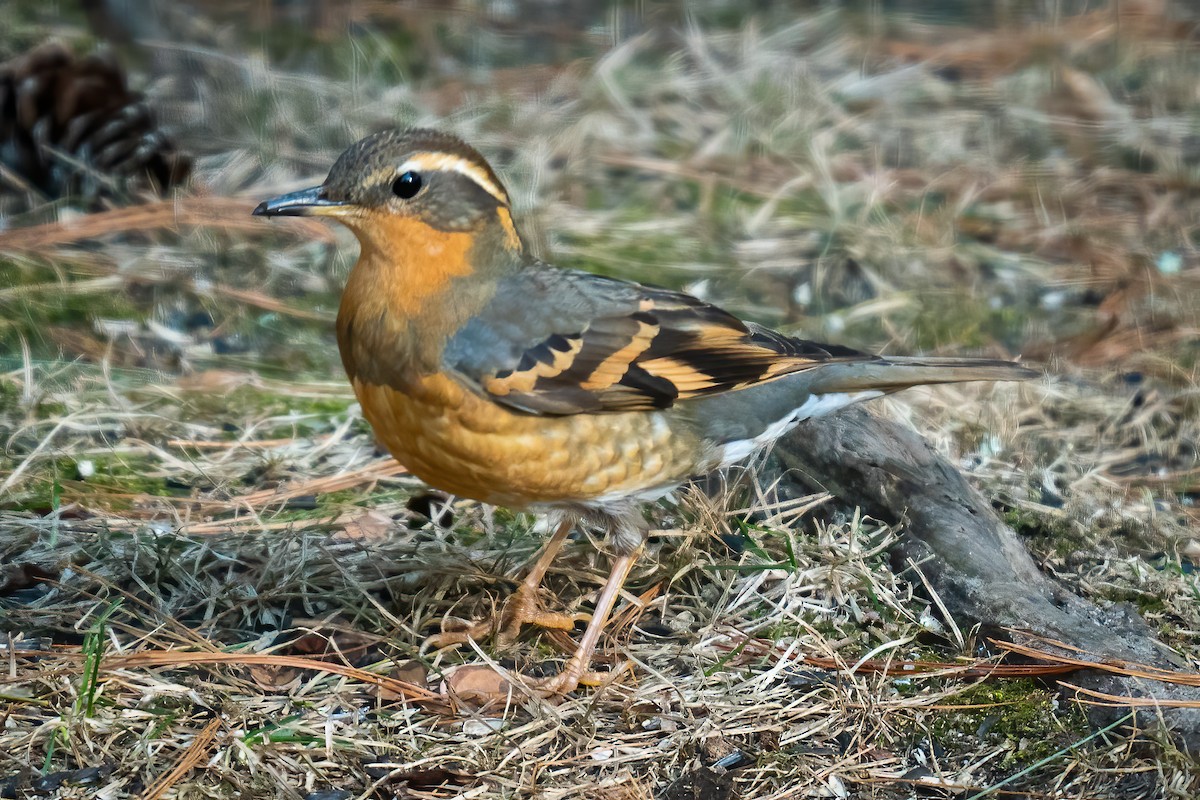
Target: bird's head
412, 183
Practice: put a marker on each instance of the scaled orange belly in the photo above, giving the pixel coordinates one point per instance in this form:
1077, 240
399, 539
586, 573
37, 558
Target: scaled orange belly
464, 444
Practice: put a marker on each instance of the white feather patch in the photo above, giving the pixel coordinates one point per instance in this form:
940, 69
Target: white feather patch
644, 496
815, 406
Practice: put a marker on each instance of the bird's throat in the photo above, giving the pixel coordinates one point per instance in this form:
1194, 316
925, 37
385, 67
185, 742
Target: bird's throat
396, 311
404, 264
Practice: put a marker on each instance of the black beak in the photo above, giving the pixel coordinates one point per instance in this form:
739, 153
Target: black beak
304, 203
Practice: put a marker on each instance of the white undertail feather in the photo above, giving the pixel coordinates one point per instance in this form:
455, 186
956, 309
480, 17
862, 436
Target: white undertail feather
815, 406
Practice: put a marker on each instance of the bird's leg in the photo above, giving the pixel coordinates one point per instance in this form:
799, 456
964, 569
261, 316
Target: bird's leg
577, 669
522, 606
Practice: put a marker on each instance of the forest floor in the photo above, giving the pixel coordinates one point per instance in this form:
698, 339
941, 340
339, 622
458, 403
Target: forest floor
213, 584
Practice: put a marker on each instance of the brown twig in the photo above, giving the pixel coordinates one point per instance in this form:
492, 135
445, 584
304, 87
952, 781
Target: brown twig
191, 757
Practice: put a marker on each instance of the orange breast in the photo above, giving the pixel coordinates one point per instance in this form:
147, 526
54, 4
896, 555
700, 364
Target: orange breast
462, 443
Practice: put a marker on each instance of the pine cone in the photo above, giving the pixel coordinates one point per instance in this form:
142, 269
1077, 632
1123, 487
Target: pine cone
71, 126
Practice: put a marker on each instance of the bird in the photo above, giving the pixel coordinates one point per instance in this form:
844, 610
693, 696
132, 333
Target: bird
494, 375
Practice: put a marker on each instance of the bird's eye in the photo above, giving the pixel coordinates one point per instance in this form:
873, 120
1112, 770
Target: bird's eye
407, 185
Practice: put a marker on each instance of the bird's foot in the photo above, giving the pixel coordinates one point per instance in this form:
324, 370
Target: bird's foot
520, 609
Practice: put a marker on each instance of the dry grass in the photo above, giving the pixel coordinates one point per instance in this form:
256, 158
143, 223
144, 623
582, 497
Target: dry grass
213, 586
281, 651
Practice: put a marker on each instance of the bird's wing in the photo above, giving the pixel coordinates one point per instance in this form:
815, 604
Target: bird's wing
555, 341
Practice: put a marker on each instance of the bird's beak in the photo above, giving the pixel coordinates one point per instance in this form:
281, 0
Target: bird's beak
304, 203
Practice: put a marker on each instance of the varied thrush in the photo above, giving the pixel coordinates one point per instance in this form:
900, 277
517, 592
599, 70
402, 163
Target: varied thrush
493, 375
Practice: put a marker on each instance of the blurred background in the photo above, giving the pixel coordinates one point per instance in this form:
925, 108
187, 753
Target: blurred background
1009, 178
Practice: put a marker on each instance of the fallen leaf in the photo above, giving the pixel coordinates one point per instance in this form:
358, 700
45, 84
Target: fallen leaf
273, 678
364, 527
477, 684
411, 671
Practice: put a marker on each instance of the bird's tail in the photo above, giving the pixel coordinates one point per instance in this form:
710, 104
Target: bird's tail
893, 373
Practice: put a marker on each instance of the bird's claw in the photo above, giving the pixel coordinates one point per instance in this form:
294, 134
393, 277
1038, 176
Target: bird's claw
573, 675
522, 608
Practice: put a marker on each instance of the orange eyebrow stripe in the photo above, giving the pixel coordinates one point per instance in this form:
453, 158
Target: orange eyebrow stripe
435, 162
511, 237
